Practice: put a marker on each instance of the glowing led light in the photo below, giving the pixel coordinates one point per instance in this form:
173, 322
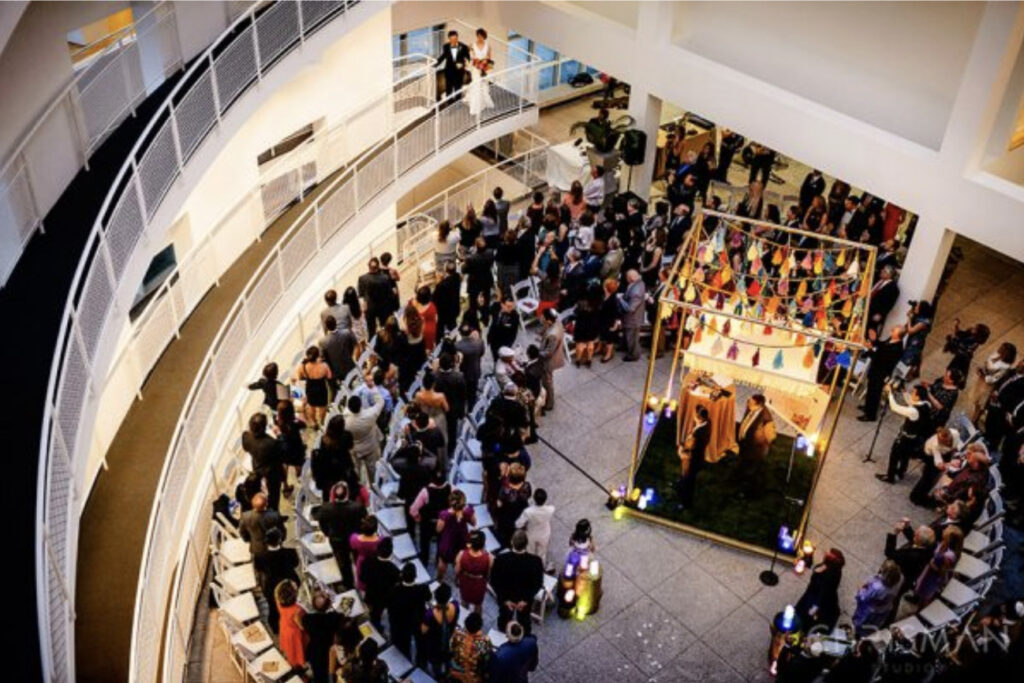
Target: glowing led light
634, 495
642, 503
619, 513
653, 402
569, 596
569, 570
807, 548
595, 569
651, 417
800, 566
788, 615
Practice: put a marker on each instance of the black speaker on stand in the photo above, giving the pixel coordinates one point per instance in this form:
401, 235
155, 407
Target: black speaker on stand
633, 148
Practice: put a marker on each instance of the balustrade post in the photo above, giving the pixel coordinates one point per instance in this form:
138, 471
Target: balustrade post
302, 29
437, 129
138, 193
256, 47
213, 86
394, 146
176, 137
78, 125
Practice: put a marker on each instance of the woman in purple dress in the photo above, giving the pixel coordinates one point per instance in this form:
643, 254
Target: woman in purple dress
453, 531
939, 569
363, 545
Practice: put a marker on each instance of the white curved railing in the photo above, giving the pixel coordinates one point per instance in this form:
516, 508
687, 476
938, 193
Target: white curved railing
97, 99
231, 65
512, 91
225, 372
157, 324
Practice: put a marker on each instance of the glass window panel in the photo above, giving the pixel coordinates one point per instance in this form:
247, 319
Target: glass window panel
567, 70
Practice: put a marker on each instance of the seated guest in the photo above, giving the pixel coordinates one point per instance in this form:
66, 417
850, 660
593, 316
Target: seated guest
939, 570
912, 557
938, 450
471, 651
970, 484
516, 658
516, 577
858, 666
954, 514
876, 598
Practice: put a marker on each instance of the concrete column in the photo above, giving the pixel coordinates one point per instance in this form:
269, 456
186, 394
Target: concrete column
151, 44
646, 109
926, 258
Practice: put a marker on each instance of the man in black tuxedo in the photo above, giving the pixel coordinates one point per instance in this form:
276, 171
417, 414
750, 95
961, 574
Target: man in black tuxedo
453, 60
885, 354
883, 297
814, 185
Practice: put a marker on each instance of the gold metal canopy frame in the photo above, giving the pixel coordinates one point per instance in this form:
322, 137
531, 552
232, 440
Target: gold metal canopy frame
851, 339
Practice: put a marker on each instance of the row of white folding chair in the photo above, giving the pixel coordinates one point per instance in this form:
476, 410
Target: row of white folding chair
992, 511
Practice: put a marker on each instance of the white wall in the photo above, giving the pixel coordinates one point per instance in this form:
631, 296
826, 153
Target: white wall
328, 89
36, 64
896, 65
198, 24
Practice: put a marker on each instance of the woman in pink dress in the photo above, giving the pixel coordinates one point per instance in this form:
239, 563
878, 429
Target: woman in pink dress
428, 311
472, 569
363, 545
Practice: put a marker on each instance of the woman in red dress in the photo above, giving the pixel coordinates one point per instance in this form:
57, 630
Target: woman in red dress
292, 636
428, 311
472, 569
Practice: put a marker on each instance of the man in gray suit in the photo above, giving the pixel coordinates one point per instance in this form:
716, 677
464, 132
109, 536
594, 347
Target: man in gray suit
632, 306
502, 206
552, 352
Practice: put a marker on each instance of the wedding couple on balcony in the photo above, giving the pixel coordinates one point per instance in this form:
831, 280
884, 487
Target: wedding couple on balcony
457, 60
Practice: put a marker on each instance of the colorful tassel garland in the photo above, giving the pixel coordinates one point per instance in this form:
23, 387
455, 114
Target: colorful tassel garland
819, 264
801, 291
807, 264
756, 359
767, 330
691, 293
778, 257
845, 359
841, 260
716, 347
754, 289
698, 334
752, 252
726, 327
783, 287
809, 358
777, 361
720, 301
734, 351
713, 325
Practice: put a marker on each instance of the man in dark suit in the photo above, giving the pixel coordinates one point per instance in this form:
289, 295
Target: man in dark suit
267, 457
446, 298
471, 347
882, 299
516, 577
479, 271
885, 354
912, 557
274, 565
452, 384
376, 289
453, 60
502, 206
692, 454
339, 519
813, 186
755, 435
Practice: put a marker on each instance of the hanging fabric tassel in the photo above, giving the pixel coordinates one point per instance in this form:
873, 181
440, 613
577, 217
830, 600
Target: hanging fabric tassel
713, 325
809, 358
821, 320
720, 301
841, 260
738, 308
777, 361
801, 290
699, 334
778, 257
808, 320
854, 268
847, 308
754, 289
752, 252
737, 239
819, 263
800, 339
830, 262
716, 347
767, 330
726, 327
832, 287
783, 287
830, 360
734, 351
726, 273
756, 358
719, 239
773, 306
827, 300
691, 293
817, 348
807, 264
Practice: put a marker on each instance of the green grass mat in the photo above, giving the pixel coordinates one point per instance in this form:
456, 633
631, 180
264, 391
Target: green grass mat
718, 506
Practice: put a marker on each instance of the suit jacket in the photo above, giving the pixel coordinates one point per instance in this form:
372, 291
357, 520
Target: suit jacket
551, 349
339, 520
472, 350
757, 440
502, 206
884, 358
883, 299
366, 435
452, 384
337, 348
446, 297
517, 577
632, 304
454, 67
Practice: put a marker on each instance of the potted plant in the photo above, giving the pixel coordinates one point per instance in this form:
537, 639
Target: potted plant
603, 133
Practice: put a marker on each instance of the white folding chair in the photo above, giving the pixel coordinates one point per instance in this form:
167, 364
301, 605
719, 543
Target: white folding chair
992, 511
238, 610
937, 614
981, 542
544, 596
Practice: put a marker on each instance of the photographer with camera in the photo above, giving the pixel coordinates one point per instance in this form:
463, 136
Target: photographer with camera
943, 394
919, 325
916, 428
885, 355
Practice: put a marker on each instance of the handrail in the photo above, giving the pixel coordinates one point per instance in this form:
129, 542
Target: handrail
93, 256
363, 104
257, 278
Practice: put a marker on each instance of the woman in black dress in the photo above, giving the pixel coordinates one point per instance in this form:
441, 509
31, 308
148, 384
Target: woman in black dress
289, 430
412, 348
609, 320
316, 373
588, 324
819, 605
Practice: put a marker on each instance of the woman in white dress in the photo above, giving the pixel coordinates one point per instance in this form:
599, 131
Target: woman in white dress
479, 96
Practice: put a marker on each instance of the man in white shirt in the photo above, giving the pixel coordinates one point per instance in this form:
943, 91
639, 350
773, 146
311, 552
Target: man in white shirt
361, 423
937, 451
916, 428
593, 191
536, 521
